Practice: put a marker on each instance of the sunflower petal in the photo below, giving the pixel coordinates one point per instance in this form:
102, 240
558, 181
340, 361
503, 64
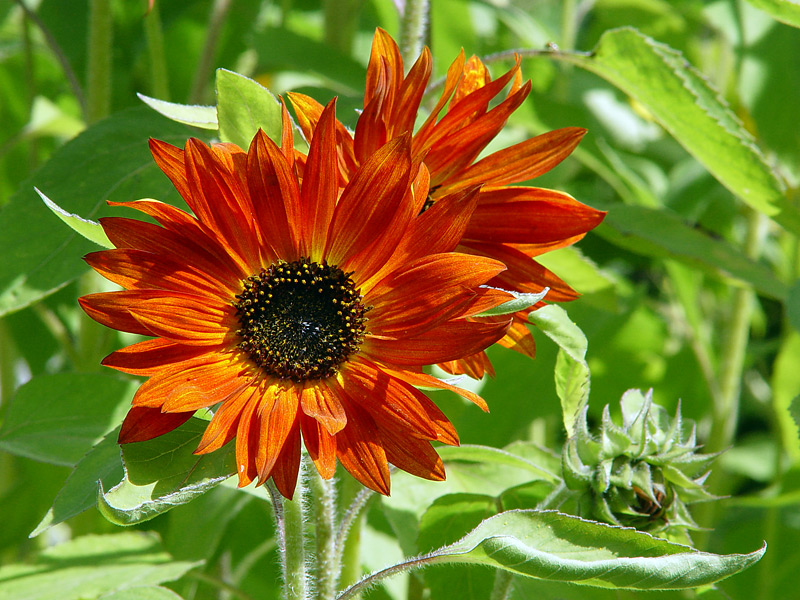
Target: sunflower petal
143, 423
360, 452
446, 342
321, 446
320, 403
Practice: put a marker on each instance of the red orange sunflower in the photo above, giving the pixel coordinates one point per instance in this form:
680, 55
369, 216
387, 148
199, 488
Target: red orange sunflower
512, 224
296, 308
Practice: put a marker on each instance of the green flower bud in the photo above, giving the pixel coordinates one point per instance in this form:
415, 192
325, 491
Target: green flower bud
642, 473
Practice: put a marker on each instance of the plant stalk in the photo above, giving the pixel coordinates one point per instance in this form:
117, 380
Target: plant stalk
159, 80
101, 33
328, 563
413, 29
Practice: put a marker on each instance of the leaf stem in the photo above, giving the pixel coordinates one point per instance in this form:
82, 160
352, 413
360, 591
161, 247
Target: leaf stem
204, 64
413, 29
159, 80
726, 404
98, 85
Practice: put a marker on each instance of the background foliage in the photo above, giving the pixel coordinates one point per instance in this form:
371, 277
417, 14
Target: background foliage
691, 286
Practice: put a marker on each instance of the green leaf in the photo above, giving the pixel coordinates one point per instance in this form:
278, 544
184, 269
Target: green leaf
163, 473
572, 372
786, 11
681, 100
110, 160
448, 519
662, 234
785, 392
153, 592
495, 456
91, 230
521, 301
58, 418
102, 463
572, 387
92, 565
554, 546
195, 115
555, 323
244, 106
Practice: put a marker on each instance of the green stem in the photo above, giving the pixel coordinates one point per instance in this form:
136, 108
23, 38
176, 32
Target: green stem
159, 80
502, 585
726, 404
290, 530
341, 21
51, 42
8, 363
98, 86
328, 563
413, 29
205, 64
348, 537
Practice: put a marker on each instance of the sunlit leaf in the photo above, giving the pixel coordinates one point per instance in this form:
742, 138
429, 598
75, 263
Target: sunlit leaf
91, 230
243, 107
572, 372
681, 100
58, 418
786, 11
204, 117
521, 301
550, 545
89, 566
163, 473
785, 393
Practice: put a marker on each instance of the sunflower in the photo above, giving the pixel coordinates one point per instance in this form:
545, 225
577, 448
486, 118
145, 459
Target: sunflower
512, 224
299, 309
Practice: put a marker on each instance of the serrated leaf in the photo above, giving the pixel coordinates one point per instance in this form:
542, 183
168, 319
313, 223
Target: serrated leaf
195, 115
163, 473
553, 546
555, 323
572, 387
91, 230
110, 160
662, 234
102, 463
243, 107
153, 592
680, 99
89, 566
572, 374
521, 301
58, 418
786, 11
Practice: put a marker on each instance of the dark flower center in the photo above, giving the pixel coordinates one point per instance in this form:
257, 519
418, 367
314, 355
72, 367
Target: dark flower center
300, 320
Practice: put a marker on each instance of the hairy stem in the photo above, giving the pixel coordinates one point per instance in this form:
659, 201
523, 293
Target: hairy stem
413, 29
328, 562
